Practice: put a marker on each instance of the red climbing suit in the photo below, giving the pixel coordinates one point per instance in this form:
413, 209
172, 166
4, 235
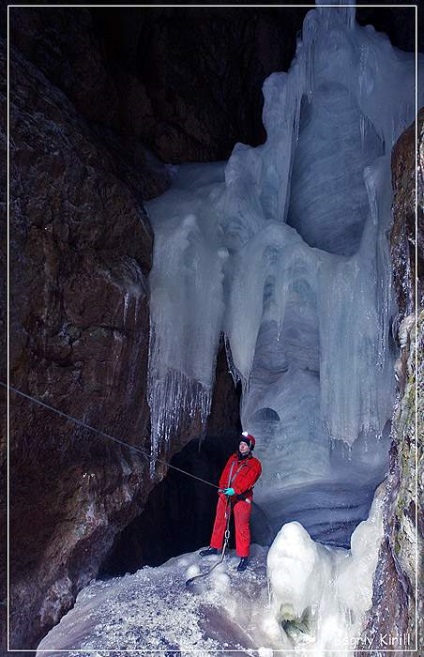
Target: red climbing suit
240, 474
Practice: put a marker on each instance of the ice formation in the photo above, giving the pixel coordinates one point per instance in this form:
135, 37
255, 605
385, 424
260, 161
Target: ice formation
320, 594
284, 249
300, 598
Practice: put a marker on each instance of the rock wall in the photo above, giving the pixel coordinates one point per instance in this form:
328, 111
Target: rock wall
186, 82
80, 249
398, 595
405, 244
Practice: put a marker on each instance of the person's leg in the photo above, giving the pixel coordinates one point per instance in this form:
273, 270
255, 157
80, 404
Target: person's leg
242, 511
220, 523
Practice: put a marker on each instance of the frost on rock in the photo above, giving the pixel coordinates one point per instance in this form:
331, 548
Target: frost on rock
284, 249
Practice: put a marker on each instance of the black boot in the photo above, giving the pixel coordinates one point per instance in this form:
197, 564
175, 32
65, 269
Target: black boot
243, 564
208, 552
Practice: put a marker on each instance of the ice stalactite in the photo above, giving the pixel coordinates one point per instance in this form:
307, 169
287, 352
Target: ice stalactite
284, 249
187, 300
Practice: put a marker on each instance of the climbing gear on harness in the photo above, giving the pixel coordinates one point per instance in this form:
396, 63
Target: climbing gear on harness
229, 491
224, 547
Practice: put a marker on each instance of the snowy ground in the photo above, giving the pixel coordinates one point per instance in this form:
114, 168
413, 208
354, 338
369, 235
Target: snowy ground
153, 610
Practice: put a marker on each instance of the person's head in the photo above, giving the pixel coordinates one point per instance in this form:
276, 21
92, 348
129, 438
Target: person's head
247, 443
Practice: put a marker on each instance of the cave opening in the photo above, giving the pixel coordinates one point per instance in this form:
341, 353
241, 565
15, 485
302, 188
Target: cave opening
179, 512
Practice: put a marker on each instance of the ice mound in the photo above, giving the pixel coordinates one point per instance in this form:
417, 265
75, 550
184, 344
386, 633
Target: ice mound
319, 594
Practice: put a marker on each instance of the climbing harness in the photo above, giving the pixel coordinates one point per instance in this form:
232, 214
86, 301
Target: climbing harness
224, 547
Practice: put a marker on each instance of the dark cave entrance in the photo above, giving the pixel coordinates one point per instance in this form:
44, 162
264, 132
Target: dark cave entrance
179, 512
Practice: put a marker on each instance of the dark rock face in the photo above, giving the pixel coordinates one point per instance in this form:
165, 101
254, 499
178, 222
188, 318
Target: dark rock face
398, 593
63, 45
81, 247
186, 81
80, 253
3, 375
403, 235
201, 111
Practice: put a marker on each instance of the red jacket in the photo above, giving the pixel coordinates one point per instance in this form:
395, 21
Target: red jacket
241, 474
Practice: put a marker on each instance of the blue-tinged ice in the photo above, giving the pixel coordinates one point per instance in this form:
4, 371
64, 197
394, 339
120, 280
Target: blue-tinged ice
285, 250
187, 300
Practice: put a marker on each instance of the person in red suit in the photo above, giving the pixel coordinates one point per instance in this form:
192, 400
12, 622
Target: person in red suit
235, 493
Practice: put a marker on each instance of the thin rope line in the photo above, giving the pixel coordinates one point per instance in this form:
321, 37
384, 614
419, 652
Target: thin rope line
103, 434
226, 540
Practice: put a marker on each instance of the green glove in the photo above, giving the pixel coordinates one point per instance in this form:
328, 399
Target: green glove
229, 491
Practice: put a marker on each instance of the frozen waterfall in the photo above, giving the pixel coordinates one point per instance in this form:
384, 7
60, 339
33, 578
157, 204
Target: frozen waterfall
284, 249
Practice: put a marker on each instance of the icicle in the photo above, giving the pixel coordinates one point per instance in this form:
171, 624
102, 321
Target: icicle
173, 400
126, 306
187, 301
362, 129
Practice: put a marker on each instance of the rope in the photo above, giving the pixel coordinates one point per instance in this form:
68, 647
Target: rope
80, 423
139, 450
224, 547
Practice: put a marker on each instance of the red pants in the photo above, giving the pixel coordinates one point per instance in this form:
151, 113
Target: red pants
242, 511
